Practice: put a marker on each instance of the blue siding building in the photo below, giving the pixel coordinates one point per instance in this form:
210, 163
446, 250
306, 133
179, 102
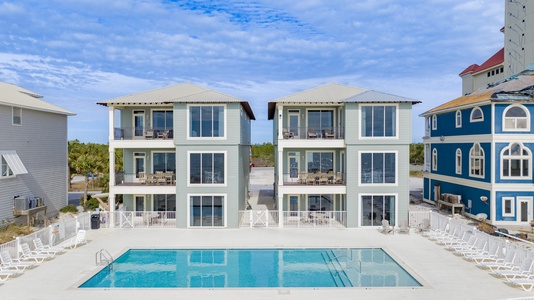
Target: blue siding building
479, 147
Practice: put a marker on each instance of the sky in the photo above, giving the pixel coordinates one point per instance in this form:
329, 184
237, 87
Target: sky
77, 52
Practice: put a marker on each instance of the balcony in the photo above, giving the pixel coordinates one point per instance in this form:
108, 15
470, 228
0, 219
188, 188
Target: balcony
141, 179
146, 133
309, 133
317, 178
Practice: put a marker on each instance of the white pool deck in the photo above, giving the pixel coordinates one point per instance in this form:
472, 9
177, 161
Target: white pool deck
443, 274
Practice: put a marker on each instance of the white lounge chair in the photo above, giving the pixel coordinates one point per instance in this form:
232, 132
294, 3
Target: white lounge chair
28, 254
12, 263
6, 273
46, 248
386, 228
75, 241
522, 271
463, 244
502, 263
491, 255
478, 248
526, 283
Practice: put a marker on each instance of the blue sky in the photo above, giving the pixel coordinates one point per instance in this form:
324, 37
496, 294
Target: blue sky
76, 53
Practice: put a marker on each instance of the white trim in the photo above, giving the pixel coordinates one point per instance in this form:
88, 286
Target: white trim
142, 155
482, 159
512, 206
527, 200
378, 184
360, 208
225, 209
13, 115
434, 158
322, 151
200, 138
290, 113
471, 115
134, 202
527, 112
395, 137
288, 206
520, 158
140, 112
458, 121
434, 122
189, 184
462, 181
297, 155
458, 163
320, 108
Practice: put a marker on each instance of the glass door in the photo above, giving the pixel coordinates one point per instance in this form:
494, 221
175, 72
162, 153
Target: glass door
139, 167
293, 160
294, 122
139, 203
138, 123
525, 208
293, 205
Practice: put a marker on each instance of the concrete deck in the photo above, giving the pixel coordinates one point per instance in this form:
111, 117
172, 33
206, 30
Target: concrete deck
443, 275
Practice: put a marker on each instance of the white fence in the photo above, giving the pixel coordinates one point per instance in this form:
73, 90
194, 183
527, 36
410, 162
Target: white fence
138, 219
294, 219
51, 235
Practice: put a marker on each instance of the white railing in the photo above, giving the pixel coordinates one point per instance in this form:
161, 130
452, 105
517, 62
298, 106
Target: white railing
258, 218
416, 218
51, 235
138, 219
315, 218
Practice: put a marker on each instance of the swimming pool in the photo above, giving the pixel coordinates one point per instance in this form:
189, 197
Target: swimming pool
252, 268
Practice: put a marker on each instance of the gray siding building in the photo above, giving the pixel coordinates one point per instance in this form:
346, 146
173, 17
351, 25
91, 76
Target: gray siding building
342, 157
186, 152
33, 151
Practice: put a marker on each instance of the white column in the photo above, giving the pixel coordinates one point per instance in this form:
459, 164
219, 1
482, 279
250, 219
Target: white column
280, 209
111, 112
280, 122
111, 202
111, 167
280, 166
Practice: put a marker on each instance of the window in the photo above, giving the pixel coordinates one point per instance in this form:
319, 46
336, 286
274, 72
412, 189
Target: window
516, 118
163, 162
477, 115
434, 159
458, 161
164, 202
376, 208
206, 168
6, 170
508, 208
320, 120
17, 116
320, 162
476, 161
434, 122
206, 121
206, 211
162, 120
377, 168
320, 202
458, 118
515, 161
379, 121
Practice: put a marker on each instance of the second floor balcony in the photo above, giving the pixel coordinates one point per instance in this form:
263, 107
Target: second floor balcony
312, 133
142, 133
314, 178
149, 179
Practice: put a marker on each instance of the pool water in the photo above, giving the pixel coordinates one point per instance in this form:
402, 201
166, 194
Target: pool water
252, 268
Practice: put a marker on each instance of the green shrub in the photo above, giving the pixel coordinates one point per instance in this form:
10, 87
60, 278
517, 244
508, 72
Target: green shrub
91, 204
71, 208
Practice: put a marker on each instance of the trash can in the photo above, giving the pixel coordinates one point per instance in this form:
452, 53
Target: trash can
95, 221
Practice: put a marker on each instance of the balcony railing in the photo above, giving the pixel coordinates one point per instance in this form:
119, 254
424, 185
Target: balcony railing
146, 133
138, 219
310, 133
315, 218
164, 178
304, 178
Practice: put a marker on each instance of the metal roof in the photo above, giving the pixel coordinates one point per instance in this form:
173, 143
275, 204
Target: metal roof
336, 93
379, 97
13, 95
505, 90
178, 93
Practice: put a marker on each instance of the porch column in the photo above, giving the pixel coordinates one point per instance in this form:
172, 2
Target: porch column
111, 112
280, 165
280, 122
111, 202
280, 210
111, 167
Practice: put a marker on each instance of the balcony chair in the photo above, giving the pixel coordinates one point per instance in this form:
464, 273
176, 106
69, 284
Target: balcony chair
328, 134
323, 179
312, 134
163, 134
287, 134
149, 134
310, 179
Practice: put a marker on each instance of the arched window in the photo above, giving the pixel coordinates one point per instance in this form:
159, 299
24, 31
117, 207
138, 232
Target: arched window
516, 118
434, 122
477, 115
458, 118
458, 161
434, 159
476, 161
515, 161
